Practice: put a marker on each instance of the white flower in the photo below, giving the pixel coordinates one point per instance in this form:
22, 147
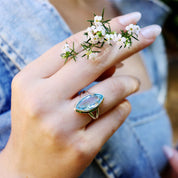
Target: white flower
119, 39
66, 48
128, 45
90, 35
92, 55
91, 29
123, 39
136, 29
115, 37
101, 29
130, 28
97, 20
108, 38
133, 29
94, 39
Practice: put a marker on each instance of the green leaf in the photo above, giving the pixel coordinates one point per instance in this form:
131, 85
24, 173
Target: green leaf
73, 45
90, 20
106, 21
135, 38
96, 51
103, 14
84, 55
86, 33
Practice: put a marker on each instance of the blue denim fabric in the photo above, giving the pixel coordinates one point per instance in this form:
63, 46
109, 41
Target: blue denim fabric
28, 28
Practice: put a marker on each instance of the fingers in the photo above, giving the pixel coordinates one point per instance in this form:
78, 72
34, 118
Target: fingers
172, 156
83, 72
99, 131
50, 62
114, 90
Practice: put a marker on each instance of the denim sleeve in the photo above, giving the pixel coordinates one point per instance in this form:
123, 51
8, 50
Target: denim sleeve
7, 72
5, 128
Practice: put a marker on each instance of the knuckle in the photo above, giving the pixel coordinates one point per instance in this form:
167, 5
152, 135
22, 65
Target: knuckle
34, 106
114, 85
124, 110
17, 81
101, 59
81, 148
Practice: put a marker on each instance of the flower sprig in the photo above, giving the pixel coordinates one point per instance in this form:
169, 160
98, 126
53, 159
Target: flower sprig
69, 53
98, 34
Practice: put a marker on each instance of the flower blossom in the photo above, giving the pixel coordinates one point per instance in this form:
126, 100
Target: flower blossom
130, 28
97, 20
94, 39
136, 29
66, 48
109, 38
97, 35
133, 29
92, 55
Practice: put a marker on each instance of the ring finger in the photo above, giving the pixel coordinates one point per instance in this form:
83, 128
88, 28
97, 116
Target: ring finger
114, 90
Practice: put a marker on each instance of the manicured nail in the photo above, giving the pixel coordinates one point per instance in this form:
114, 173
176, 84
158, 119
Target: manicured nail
133, 17
151, 31
133, 85
168, 151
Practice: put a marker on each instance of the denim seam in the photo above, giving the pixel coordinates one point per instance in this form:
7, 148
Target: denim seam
103, 163
17, 55
10, 70
146, 120
156, 175
150, 113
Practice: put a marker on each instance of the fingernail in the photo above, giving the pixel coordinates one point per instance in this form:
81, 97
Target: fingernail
137, 80
168, 151
134, 84
151, 31
133, 17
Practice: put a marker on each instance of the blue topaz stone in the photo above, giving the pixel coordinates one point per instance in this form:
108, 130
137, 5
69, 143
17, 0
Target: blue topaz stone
89, 103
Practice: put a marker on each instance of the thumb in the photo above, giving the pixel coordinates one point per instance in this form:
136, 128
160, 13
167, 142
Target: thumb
172, 156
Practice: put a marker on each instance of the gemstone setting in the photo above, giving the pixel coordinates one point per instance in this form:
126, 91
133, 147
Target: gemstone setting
89, 103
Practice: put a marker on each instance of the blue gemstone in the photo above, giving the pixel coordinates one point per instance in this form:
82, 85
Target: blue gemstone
89, 103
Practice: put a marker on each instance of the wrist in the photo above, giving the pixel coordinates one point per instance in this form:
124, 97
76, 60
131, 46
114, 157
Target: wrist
8, 165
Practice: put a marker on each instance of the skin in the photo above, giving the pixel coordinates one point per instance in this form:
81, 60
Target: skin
83, 10
48, 138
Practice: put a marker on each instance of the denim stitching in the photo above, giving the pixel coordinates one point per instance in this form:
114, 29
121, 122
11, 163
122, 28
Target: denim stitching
103, 163
17, 55
144, 151
12, 70
146, 120
138, 117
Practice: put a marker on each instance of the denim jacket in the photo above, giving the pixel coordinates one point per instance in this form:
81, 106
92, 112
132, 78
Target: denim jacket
28, 28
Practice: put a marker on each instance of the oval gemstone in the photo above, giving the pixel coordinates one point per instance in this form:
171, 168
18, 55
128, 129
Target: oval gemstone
89, 103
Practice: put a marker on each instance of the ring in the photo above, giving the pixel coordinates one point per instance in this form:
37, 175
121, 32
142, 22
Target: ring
90, 104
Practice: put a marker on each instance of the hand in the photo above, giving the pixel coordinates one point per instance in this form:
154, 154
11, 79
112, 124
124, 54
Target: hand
172, 156
48, 138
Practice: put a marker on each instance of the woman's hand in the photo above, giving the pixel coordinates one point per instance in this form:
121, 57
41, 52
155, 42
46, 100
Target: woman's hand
50, 139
